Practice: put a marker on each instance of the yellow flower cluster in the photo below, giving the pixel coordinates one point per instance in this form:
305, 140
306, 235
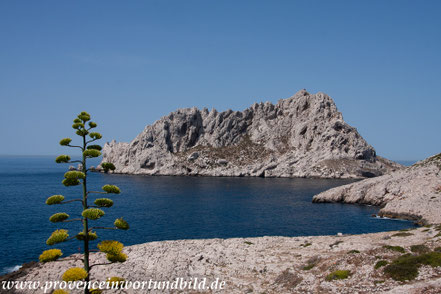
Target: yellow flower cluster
74, 274
113, 250
50, 255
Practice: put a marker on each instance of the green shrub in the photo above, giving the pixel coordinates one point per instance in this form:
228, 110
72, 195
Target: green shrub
353, 251
431, 258
395, 248
406, 266
338, 275
419, 248
380, 263
403, 268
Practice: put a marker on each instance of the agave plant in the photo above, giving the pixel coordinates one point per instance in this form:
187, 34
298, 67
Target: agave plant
89, 213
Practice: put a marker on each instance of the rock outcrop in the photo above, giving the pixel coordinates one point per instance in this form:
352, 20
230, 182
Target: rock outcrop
302, 136
411, 193
258, 265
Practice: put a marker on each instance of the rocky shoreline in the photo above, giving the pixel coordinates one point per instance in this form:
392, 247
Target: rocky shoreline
269, 264
412, 193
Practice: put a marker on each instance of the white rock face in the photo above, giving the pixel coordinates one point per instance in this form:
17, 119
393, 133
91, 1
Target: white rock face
412, 193
302, 136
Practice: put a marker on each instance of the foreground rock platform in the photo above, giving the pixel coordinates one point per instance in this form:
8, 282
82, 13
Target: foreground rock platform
302, 136
266, 264
412, 193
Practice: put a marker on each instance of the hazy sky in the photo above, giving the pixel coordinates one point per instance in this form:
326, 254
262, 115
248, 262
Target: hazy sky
130, 62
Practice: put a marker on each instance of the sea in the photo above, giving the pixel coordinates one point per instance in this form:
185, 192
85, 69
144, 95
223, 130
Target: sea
168, 208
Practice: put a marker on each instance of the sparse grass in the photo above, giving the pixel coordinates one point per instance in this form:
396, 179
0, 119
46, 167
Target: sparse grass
380, 263
312, 262
379, 282
338, 275
394, 248
402, 234
288, 280
353, 251
308, 267
248, 242
419, 248
335, 243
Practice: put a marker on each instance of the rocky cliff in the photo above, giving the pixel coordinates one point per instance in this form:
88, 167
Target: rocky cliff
412, 193
302, 136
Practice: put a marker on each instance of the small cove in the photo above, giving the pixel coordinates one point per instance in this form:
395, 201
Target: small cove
170, 208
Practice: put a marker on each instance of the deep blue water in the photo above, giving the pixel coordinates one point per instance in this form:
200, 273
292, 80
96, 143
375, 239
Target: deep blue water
169, 208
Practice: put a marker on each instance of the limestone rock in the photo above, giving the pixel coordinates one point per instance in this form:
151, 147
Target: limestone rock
302, 136
270, 265
411, 193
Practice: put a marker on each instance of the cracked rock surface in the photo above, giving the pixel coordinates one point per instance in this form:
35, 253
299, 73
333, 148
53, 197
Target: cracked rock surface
302, 136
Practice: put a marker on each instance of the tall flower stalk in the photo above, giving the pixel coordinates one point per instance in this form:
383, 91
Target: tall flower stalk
89, 213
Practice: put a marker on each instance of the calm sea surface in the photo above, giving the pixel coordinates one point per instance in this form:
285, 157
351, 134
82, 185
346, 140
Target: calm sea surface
169, 208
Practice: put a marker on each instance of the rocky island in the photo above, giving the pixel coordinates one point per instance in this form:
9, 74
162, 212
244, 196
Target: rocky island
302, 136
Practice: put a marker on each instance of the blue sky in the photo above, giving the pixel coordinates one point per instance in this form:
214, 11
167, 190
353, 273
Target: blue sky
130, 62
